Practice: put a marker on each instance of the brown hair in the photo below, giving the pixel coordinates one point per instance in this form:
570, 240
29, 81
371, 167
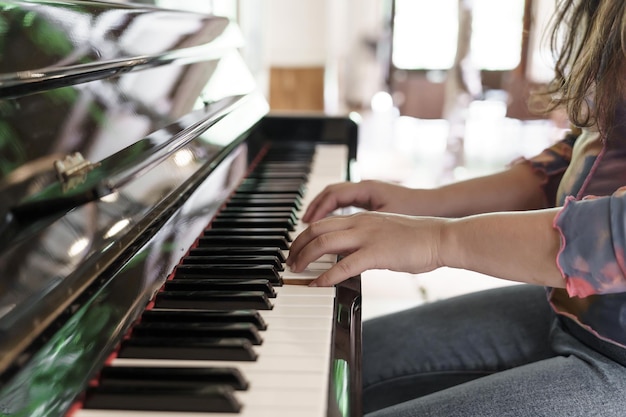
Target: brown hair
588, 38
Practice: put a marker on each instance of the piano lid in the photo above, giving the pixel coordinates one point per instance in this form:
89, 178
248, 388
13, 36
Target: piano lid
96, 77
47, 44
144, 101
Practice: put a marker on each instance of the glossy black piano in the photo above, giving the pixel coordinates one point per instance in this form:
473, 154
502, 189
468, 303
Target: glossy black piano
148, 197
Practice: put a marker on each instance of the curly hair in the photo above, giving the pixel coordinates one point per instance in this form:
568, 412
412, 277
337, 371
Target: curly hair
588, 38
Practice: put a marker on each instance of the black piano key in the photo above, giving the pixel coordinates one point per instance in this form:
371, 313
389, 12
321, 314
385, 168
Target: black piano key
274, 183
198, 330
243, 211
283, 154
269, 191
272, 260
278, 175
257, 184
275, 168
280, 153
285, 211
249, 231
272, 196
290, 191
262, 190
213, 300
171, 376
252, 222
237, 251
288, 219
205, 316
215, 398
298, 164
265, 212
225, 271
237, 285
274, 172
264, 202
243, 240
269, 188
187, 348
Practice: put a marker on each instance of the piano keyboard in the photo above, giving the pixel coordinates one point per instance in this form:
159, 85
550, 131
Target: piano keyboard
267, 351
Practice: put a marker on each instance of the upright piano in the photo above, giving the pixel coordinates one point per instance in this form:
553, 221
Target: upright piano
147, 201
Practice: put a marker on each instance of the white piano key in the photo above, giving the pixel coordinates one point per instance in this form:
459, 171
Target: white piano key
248, 411
292, 335
289, 295
303, 277
273, 380
303, 311
298, 322
289, 334
268, 364
295, 399
303, 300
320, 265
324, 258
287, 290
292, 349
297, 230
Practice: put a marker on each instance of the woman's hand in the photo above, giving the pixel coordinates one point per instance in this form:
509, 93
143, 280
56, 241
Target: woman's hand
519, 246
517, 188
369, 241
370, 195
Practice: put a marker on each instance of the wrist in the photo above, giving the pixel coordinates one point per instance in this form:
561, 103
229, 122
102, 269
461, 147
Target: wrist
448, 244
426, 202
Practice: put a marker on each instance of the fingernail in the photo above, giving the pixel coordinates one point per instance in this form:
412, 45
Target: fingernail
312, 284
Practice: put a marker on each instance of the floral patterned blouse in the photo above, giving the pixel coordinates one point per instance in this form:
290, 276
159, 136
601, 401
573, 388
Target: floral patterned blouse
586, 175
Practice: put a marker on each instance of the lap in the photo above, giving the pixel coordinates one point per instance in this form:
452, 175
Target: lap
494, 353
557, 387
428, 348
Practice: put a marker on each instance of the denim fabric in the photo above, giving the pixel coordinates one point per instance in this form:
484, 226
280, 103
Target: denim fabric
498, 353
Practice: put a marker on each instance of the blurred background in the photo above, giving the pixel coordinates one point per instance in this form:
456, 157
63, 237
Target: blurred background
440, 88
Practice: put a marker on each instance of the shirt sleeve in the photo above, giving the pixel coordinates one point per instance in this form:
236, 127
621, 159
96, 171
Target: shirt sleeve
552, 163
593, 239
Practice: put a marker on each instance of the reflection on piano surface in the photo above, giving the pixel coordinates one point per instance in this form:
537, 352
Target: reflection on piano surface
148, 199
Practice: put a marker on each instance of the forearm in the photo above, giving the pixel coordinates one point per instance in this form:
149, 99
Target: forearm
517, 188
518, 246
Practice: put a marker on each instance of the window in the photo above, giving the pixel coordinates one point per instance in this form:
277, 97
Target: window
425, 33
227, 8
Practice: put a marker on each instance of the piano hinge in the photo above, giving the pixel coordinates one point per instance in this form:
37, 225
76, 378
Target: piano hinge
72, 170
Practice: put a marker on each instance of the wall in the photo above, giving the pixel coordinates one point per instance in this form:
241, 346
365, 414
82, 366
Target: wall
312, 51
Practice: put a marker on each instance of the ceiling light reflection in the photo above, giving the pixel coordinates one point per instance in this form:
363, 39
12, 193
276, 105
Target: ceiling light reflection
116, 228
183, 157
78, 247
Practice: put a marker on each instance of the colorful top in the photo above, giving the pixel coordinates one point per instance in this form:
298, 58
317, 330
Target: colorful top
586, 174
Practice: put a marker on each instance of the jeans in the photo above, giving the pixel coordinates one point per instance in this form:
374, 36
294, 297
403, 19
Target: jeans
497, 353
